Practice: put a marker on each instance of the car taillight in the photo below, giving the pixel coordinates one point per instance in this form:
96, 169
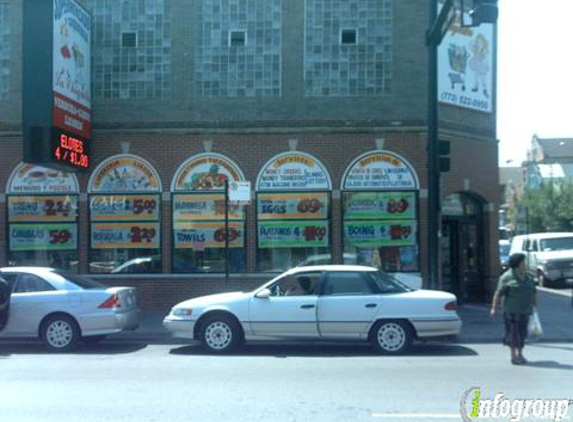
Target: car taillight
111, 303
451, 306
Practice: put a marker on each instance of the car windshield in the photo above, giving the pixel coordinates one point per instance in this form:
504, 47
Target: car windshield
82, 282
387, 283
558, 244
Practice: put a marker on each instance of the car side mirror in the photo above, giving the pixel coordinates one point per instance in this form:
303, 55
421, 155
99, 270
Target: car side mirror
263, 294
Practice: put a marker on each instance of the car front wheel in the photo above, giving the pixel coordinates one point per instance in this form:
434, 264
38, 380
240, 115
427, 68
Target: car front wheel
391, 337
60, 333
220, 334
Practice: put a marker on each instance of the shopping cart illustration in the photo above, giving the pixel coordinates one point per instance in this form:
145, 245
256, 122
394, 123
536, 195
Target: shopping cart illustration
458, 59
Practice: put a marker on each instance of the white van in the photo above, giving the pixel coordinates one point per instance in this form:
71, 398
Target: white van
549, 256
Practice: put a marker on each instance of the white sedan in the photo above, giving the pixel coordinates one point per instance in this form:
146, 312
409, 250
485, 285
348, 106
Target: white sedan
63, 308
330, 302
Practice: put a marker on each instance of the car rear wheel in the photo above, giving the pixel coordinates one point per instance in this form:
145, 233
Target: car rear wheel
60, 333
220, 334
391, 337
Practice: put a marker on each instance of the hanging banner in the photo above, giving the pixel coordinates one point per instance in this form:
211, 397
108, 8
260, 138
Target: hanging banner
293, 171
206, 172
28, 178
379, 205
287, 234
380, 233
465, 57
278, 206
198, 236
42, 208
192, 207
125, 174
50, 237
380, 170
125, 235
124, 207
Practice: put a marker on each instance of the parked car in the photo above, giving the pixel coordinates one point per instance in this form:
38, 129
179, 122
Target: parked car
329, 302
63, 308
549, 256
504, 247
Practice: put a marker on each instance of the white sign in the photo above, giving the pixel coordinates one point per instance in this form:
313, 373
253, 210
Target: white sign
240, 191
293, 171
380, 170
465, 58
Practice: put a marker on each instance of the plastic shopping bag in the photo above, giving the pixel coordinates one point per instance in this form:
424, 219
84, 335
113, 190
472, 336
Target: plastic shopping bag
534, 328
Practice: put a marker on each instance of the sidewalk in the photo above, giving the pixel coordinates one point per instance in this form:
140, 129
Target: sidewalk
555, 311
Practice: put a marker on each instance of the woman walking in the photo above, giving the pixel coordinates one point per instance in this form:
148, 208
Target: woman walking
516, 290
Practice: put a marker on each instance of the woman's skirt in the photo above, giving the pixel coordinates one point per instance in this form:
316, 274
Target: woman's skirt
515, 330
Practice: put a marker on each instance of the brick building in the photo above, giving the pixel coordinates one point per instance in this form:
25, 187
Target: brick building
320, 104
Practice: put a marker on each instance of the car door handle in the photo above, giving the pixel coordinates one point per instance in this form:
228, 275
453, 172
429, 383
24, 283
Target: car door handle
370, 305
307, 306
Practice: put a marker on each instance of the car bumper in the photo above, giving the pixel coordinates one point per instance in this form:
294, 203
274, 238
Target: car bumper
109, 322
426, 328
180, 328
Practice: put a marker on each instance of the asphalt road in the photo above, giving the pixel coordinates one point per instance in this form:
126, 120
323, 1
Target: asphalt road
131, 381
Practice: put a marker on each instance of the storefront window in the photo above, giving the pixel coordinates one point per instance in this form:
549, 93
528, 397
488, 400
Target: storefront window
42, 207
199, 217
125, 218
293, 228
380, 213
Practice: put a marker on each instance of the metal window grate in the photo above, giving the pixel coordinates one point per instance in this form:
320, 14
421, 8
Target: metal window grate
129, 39
348, 36
237, 38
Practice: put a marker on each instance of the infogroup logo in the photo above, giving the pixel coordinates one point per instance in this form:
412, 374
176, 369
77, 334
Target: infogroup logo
473, 407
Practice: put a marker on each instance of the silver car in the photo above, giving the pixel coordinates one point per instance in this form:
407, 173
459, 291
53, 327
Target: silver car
63, 308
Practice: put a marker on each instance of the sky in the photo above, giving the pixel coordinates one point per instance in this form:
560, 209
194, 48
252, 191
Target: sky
535, 74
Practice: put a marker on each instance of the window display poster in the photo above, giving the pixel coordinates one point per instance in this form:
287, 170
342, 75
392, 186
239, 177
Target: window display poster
293, 234
380, 233
42, 208
202, 235
379, 205
31, 179
191, 207
125, 173
134, 235
293, 170
380, 170
34, 237
206, 172
124, 207
273, 206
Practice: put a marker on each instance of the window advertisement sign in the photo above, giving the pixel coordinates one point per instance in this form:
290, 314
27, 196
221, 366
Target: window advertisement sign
40, 237
135, 235
293, 234
188, 207
29, 178
379, 205
42, 208
206, 172
380, 170
201, 235
278, 206
293, 171
465, 76
124, 207
380, 233
124, 173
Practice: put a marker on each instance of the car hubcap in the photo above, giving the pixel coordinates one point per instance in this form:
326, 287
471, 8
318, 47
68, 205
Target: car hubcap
59, 334
218, 335
391, 337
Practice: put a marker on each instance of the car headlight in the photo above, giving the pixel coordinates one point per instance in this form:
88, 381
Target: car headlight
182, 312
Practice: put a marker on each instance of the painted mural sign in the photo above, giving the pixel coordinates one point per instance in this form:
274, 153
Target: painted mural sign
125, 174
29, 178
273, 206
293, 234
380, 233
35, 237
188, 207
134, 235
124, 207
379, 205
206, 172
293, 171
466, 66
42, 208
201, 235
380, 170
